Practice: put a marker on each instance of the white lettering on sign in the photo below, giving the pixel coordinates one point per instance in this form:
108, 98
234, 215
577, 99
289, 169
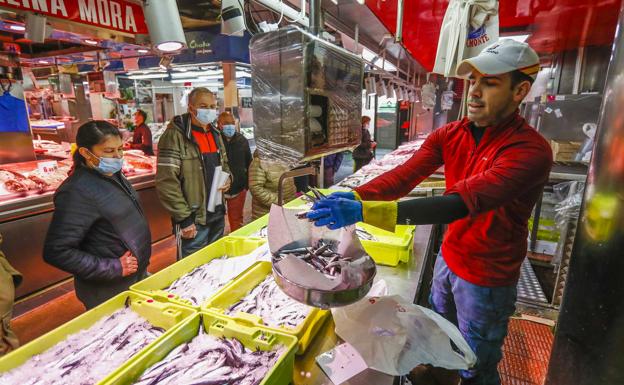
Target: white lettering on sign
130, 23
116, 15
87, 11
40, 5
103, 12
58, 5
107, 13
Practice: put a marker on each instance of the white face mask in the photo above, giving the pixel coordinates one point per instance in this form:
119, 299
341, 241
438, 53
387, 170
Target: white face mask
206, 115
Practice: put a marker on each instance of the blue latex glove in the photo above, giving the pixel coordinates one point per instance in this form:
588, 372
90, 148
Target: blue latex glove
342, 194
336, 213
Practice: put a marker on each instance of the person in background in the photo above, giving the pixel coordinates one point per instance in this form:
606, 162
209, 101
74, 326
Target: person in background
189, 151
142, 136
239, 158
263, 184
9, 280
331, 165
363, 154
98, 232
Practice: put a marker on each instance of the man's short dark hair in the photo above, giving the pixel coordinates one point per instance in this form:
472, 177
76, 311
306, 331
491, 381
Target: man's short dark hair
143, 114
518, 77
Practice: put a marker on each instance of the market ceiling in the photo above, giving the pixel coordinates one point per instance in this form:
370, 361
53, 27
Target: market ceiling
554, 25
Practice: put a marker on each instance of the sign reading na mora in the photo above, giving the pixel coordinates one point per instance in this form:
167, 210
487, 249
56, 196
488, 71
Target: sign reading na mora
119, 15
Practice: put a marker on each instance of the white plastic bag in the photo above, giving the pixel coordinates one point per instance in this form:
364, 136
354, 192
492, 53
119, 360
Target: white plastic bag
394, 336
468, 27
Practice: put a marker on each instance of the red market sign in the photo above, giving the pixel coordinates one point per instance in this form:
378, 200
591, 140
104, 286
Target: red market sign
118, 15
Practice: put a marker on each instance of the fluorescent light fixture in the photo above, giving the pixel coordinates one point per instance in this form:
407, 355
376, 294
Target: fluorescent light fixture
361, 2
243, 74
148, 76
142, 50
520, 38
195, 74
16, 27
335, 2
371, 57
90, 41
169, 46
43, 62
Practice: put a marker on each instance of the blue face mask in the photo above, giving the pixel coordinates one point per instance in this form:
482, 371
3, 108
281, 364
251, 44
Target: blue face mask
206, 115
229, 130
109, 165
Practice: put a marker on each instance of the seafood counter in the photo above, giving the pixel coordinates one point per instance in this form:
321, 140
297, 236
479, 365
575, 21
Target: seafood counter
379, 166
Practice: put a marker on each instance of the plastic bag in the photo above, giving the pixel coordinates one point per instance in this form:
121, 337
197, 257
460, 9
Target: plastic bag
394, 336
570, 197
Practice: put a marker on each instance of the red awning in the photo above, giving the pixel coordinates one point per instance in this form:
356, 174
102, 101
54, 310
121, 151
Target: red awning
555, 25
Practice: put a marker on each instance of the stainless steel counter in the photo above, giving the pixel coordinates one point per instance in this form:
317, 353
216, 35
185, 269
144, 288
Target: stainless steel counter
403, 280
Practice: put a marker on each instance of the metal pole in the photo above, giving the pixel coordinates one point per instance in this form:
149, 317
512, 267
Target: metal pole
589, 341
399, 26
315, 17
357, 38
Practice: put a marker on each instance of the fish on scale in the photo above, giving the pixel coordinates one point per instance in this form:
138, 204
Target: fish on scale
89, 355
206, 360
269, 302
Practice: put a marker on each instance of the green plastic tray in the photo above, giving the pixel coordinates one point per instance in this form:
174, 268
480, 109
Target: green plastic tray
251, 337
154, 285
222, 301
165, 315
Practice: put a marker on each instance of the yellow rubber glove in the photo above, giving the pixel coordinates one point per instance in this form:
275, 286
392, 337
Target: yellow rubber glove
380, 214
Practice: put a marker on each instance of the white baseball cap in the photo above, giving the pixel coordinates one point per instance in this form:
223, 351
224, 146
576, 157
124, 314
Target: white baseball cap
506, 55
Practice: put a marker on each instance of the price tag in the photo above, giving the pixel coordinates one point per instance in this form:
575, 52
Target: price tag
49, 167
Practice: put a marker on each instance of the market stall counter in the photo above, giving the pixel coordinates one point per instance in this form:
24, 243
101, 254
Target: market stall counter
26, 208
404, 280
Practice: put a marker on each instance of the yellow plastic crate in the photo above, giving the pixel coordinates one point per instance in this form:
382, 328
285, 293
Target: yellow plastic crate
164, 315
304, 332
252, 228
154, 285
390, 248
250, 337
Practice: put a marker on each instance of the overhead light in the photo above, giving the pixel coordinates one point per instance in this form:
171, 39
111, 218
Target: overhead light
195, 74
361, 2
169, 46
520, 38
43, 62
335, 2
195, 80
165, 62
142, 50
148, 76
90, 41
164, 25
16, 27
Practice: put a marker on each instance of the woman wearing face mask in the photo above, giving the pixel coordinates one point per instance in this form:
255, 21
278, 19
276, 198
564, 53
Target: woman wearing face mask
239, 159
363, 154
99, 232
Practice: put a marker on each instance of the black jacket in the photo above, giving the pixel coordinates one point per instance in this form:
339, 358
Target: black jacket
364, 149
96, 220
142, 139
239, 159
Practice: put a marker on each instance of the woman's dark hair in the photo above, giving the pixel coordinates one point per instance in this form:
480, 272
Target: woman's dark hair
143, 114
90, 134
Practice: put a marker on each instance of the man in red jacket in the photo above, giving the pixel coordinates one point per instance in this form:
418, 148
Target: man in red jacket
495, 167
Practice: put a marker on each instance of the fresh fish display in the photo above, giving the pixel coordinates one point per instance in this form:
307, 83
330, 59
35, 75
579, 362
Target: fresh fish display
321, 257
363, 234
204, 281
269, 302
212, 361
88, 356
262, 233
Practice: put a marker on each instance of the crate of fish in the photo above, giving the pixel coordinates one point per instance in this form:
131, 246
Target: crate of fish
196, 278
256, 299
211, 349
255, 229
386, 247
92, 347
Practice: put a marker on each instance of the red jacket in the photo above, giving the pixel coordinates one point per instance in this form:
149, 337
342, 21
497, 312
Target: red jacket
500, 182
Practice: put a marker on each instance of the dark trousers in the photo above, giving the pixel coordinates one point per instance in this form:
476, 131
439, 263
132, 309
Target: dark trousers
206, 234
